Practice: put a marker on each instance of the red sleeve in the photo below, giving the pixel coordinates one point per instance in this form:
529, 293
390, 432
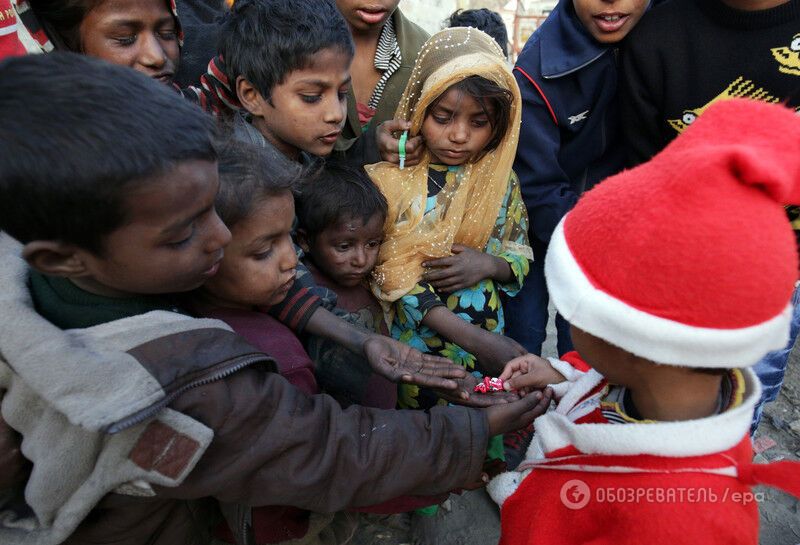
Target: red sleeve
575, 360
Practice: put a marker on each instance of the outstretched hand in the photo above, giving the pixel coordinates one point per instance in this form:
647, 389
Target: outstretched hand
529, 372
388, 143
508, 417
399, 362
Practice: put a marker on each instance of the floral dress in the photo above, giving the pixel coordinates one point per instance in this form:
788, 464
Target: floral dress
479, 304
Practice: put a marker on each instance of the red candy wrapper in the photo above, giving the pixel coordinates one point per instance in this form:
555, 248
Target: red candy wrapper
490, 385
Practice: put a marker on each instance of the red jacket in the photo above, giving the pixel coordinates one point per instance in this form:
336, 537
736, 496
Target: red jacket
660, 483
9, 43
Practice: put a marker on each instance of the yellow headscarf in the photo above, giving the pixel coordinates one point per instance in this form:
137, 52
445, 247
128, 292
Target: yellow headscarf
468, 206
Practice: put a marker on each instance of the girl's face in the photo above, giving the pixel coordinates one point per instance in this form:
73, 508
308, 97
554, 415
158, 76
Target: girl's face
456, 129
141, 34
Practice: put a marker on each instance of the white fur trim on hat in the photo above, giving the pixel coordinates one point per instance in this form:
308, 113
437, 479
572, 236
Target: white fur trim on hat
648, 336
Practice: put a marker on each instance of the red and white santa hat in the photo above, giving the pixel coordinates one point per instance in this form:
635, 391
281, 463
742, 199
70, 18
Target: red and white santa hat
689, 259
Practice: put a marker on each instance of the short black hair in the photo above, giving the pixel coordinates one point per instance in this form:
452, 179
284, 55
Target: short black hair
246, 178
495, 101
483, 19
337, 192
265, 40
61, 20
76, 134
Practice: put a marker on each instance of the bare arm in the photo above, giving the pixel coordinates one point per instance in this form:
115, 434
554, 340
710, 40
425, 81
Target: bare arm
390, 358
491, 349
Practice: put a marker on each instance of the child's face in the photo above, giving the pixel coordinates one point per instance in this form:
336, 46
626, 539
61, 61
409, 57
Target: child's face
346, 252
366, 15
308, 109
609, 21
259, 264
140, 34
456, 129
171, 241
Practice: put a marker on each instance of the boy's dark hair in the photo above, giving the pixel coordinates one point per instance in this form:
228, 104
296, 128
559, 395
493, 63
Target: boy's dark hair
62, 19
334, 193
246, 177
495, 101
264, 40
76, 134
483, 19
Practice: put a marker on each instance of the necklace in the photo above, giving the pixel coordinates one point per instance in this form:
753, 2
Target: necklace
437, 184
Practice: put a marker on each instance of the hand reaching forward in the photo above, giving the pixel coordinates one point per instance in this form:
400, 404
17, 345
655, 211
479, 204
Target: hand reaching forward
529, 372
512, 416
400, 363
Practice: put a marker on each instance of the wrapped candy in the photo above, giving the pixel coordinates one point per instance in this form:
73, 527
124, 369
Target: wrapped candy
490, 385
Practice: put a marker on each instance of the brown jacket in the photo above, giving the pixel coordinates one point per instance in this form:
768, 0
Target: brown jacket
135, 418
360, 145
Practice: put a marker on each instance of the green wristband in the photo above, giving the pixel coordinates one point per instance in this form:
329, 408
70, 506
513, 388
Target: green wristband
401, 148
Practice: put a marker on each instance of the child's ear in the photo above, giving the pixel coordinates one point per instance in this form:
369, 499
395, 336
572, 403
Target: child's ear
301, 237
251, 98
54, 258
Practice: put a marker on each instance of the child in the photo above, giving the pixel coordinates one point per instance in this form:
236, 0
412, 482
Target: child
669, 306
340, 216
144, 35
567, 73
456, 231
132, 414
294, 97
386, 46
257, 271
726, 49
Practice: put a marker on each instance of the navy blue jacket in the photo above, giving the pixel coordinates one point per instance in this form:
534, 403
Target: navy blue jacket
569, 139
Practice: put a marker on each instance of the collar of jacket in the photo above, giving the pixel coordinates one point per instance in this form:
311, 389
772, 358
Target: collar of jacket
565, 45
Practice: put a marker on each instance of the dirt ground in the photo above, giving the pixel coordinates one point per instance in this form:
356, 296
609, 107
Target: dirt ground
473, 519
779, 436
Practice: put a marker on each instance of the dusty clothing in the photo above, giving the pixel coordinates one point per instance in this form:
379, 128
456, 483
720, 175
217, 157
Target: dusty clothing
134, 417
346, 376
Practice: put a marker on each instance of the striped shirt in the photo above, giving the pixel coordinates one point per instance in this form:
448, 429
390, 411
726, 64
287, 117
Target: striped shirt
387, 60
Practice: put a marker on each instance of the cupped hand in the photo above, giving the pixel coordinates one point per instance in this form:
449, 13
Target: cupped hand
399, 362
466, 394
512, 416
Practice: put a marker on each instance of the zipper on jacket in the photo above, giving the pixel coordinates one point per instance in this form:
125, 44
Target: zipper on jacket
236, 365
